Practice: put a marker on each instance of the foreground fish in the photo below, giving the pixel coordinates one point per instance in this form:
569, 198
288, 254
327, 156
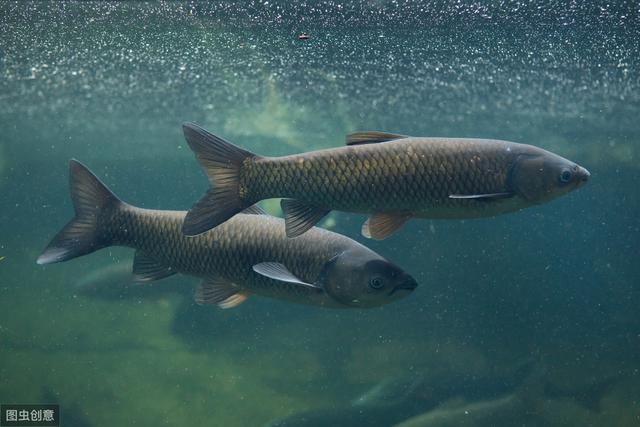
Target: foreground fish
249, 254
392, 177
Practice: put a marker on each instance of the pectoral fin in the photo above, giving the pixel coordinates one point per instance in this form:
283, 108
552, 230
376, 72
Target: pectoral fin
147, 269
219, 292
381, 225
300, 217
371, 137
490, 196
277, 271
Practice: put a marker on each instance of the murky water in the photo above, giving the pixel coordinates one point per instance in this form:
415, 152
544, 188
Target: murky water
541, 304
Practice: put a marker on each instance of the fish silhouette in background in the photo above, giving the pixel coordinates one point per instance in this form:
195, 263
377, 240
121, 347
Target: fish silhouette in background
398, 398
503, 411
116, 282
522, 406
454, 399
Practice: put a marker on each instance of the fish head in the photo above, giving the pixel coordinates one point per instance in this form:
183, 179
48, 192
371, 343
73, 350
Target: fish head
361, 278
539, 176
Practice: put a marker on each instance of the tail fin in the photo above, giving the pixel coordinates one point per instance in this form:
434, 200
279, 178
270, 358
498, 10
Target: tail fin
83, 234
222, 162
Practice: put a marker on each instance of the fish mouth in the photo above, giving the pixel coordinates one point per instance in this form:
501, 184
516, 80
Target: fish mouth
408, 285
583, 174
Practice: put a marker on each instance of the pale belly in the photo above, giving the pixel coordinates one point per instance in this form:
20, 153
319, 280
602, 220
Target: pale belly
471, 208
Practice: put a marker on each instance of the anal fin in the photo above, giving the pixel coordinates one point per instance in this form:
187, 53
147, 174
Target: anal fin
147, 269
233, 301
381, 225
300, 217
220, 292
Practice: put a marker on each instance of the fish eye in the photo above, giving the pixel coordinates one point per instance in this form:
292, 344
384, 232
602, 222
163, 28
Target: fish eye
565, 176
375, 283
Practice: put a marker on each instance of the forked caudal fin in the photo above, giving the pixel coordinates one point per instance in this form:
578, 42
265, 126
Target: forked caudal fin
83, 234
222, 162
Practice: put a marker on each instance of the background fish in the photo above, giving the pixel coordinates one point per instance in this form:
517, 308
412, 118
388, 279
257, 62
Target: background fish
115, 282
109, 277
516, 408
393, 177
398, 398
250, 254
504, 411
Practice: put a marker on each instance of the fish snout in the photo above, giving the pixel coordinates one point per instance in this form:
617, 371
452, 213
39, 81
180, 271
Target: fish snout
411, 283
583, 175
408, 284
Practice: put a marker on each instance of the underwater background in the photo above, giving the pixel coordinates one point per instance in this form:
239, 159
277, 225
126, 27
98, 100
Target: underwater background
555, 287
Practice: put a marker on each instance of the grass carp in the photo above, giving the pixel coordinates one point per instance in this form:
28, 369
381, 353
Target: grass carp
391, 177
250, 254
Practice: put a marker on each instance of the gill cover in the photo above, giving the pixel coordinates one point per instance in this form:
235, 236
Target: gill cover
539, 176
359, 277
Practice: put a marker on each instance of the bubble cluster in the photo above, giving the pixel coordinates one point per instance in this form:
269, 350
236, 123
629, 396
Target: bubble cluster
433, 68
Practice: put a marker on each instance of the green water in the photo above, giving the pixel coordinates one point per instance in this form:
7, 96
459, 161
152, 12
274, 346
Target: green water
110, 85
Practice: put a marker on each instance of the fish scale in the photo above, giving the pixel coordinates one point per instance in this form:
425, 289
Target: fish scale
411, 174
229, 251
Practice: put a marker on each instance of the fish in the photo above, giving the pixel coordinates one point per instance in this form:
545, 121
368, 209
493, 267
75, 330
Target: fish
398, 398
504, 411
388, 402
589, 394
114, 275
391, 177
115, 282
249, 254
517, 407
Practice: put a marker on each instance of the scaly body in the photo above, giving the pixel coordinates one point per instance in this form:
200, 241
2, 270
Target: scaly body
391, 177
412, 174
229, 252
250, 254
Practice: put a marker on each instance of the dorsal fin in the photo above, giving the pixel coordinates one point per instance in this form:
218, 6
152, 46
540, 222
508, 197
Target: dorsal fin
371, 137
